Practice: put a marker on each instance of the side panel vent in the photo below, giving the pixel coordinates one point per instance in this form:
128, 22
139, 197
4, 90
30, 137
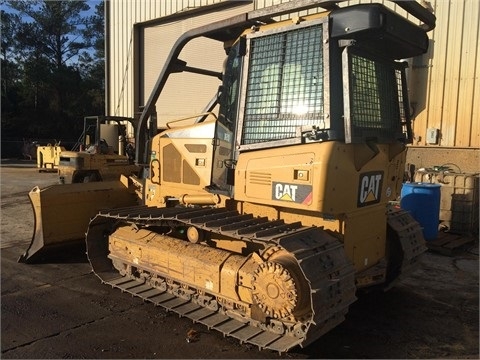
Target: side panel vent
259, 178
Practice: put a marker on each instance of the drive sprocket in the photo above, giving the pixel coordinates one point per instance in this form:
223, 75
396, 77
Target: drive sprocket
274, 290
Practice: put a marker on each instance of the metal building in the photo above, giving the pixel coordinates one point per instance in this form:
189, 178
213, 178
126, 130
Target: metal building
444, 82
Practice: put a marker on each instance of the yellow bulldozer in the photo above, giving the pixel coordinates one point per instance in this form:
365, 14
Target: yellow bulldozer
102, 152
264, 216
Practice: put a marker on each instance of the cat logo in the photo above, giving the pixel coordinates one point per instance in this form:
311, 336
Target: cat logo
292, 192
285, 191
370, 188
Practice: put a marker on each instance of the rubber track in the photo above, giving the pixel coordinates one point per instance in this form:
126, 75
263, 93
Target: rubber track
321, 258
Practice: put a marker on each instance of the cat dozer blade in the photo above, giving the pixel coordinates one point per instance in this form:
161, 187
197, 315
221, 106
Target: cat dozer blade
62, 213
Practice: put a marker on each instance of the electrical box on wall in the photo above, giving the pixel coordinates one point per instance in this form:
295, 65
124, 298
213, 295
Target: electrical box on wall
432, 135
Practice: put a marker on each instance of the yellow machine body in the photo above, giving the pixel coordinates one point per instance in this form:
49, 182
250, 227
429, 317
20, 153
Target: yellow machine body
83, 166
100, 153
329, 184
321, 185
48, 157
180, 164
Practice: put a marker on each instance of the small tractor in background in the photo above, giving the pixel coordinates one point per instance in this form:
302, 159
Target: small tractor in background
102, 152
48, 157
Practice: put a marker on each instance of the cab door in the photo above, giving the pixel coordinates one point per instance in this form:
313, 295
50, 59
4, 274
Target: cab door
223, 164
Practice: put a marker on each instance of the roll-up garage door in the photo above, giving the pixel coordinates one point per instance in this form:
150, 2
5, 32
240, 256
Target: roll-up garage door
185, 94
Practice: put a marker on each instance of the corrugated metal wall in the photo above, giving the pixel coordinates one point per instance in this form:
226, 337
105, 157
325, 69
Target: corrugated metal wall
444, 82
121, 15
452, 69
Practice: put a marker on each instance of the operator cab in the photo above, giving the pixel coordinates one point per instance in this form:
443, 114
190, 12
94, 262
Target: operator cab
333, 77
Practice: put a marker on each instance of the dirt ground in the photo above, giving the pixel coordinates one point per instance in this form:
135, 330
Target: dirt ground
59, 309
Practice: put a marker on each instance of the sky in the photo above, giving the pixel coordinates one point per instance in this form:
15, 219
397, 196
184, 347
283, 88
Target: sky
91, 11
91, 3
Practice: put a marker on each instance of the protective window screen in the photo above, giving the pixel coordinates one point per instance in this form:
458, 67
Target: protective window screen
285, 84
376, 99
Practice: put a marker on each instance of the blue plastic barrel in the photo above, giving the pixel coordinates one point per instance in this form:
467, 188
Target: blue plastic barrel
422, 200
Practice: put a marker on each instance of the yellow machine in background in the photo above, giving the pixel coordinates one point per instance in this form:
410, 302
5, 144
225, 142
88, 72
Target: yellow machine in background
263, 221
102, 152
48, 157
